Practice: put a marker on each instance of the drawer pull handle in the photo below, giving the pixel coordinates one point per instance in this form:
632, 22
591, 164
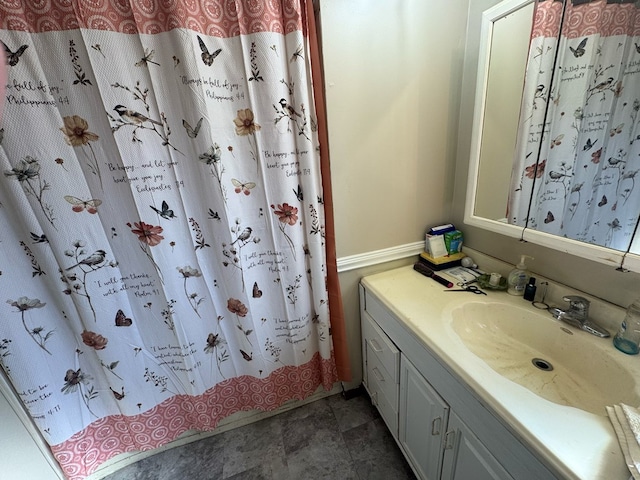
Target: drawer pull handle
435, 430
374, 398
449, 439
375, 345
378, 375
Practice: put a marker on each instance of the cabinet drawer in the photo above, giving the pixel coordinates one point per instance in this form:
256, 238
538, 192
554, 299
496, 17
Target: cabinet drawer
387, 411
384, 380
380, 346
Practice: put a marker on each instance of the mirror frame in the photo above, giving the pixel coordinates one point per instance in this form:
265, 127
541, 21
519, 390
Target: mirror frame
607, 256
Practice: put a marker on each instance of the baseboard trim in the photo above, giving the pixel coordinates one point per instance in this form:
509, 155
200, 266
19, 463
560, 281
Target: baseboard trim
361, 260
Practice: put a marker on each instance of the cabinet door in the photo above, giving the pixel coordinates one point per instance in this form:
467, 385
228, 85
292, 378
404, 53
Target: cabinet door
465, 457
423, 421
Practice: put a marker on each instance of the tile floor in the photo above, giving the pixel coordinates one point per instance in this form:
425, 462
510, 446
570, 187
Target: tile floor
331, 438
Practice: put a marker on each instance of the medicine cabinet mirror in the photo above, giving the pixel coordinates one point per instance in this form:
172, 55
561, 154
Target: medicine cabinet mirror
503, 50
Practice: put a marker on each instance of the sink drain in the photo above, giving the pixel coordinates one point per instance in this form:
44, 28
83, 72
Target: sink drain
542, 364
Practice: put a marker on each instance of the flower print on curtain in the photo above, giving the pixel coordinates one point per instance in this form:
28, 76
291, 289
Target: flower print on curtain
162, 220
76, 134
583, 185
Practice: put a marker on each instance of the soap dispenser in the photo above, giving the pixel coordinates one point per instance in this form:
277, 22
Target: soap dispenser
517, 279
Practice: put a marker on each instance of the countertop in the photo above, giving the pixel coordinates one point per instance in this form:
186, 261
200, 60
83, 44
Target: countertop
574, 443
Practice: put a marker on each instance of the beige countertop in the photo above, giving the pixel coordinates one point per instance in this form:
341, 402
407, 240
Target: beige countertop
575, 443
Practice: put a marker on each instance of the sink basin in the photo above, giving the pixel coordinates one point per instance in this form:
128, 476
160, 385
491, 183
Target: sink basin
557, 362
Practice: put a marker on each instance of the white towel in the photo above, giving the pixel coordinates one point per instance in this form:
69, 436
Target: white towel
626, 423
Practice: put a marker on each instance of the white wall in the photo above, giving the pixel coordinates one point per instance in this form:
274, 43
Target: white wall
393, 74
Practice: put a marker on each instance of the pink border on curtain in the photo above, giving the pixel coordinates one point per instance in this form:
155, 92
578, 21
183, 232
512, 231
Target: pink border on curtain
586, 19
546, 19
220, 18
81, 454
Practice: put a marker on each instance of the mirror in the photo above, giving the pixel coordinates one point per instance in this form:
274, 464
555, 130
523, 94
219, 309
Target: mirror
505, 32
507, 62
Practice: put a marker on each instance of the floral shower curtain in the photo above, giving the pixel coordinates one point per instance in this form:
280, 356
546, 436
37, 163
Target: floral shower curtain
583, 185
163, 219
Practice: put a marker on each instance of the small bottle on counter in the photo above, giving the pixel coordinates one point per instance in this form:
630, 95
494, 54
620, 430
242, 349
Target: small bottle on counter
530, 290
627, 339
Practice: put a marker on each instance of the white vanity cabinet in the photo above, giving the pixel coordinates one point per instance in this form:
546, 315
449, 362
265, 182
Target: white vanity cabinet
443, 429
434, 439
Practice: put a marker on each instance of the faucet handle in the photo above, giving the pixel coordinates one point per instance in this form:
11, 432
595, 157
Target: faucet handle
577, 303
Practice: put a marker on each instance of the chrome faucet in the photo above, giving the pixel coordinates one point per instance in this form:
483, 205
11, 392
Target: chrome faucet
578, 315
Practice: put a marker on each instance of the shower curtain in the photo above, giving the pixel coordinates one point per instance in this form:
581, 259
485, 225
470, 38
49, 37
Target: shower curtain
163, 223
576, 176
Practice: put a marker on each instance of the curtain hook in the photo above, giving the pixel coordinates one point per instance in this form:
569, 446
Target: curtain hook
522, 240
622, 268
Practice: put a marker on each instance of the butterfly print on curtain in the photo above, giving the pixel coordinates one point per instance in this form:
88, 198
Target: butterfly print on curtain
188, 139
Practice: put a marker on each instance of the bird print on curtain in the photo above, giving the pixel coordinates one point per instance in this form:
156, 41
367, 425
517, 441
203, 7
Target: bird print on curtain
162, 221
579, 172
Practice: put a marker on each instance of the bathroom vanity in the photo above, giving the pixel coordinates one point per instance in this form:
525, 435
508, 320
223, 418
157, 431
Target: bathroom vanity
459, 412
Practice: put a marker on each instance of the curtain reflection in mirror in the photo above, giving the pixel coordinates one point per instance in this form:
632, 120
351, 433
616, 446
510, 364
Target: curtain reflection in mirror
577, 177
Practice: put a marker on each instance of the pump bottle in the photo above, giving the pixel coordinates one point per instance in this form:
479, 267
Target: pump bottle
517, 279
